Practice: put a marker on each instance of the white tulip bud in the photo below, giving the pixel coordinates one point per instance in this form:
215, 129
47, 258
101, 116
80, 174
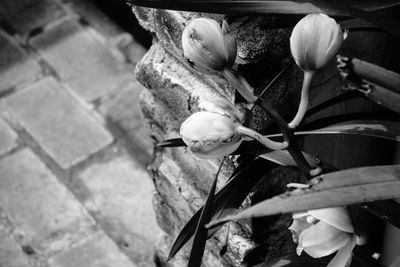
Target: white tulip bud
209, 45
315, 40
210, 135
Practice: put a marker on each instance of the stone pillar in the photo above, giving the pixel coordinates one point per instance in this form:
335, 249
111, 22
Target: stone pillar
176, 91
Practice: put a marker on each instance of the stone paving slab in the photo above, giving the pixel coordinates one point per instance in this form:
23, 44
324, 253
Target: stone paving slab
121, 193
16, 65
11, 254
81, 59
123, 111
97, 251
61, 126
8, 138
46, 213
26, 15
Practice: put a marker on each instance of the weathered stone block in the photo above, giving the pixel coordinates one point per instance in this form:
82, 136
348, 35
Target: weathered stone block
16, 65
27, 15
65, 130
96, 251
120, 195
82, 59
44, 211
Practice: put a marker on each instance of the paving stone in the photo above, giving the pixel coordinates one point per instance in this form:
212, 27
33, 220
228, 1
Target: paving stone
11, 254
96, 18
123, 111
82, 60
16, 65
26, 15
97, 251
64, 129
121, 192
46, 213
8, 138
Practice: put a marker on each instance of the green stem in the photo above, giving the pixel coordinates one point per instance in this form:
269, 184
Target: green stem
262, 139
305, 95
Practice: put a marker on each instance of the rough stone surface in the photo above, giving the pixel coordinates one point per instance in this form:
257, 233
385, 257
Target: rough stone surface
26, 15
8, 137
16, 65
82, 59
121, 194
96, 251
176, 90
49, 113
48, 215
11, 255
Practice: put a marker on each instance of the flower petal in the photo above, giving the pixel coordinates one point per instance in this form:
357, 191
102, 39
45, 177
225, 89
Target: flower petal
338, 217
298, 226
343, 256
322, 239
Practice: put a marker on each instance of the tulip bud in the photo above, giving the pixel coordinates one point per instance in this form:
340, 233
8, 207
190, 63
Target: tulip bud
210, 135
315, 40
208, 45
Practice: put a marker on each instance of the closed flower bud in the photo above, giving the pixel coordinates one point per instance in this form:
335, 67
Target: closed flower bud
315, 40
210, 135
209, 45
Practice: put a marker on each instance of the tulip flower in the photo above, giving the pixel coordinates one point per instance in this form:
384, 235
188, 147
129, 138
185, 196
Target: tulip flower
212, 135
322, 232
314, 41
208, 45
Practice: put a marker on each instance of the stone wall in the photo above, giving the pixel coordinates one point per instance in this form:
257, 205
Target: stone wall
176, 91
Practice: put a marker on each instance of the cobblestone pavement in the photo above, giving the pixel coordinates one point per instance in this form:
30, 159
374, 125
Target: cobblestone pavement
73, 187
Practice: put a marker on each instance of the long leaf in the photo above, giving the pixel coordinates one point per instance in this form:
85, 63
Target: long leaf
331, 102
351, 186
375, 128
200, 236
173, 142
282, 157
223, 195
245, 7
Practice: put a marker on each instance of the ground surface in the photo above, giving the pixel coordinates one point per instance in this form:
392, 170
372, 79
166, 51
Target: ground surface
73, 189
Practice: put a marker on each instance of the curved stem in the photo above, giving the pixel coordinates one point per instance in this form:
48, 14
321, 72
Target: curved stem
308, 75
262, 139
288, 136
240, 84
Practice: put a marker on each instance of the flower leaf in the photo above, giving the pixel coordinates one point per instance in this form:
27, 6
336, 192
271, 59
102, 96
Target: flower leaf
200, 235
346, 187
173, 142
230, 197
360, 9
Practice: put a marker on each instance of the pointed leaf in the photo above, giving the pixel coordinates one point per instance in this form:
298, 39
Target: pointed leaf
200, 235
246, 7
173, 142
220, 198
331, 102
376, 128
386, 129
282, 157
334, 189
228, 199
